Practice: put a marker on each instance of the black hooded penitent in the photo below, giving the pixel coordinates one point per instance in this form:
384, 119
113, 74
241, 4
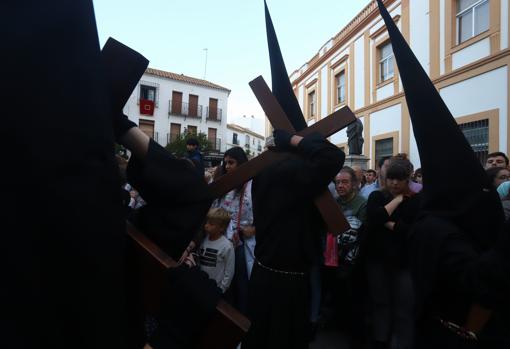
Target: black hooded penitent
281, 87
458, 249
123, 69
63, 232
288, 224
468, 200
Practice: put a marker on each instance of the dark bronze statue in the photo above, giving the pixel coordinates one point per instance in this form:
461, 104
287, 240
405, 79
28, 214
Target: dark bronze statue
355, 137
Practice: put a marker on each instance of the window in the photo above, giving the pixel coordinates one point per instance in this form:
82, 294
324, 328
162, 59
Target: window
148, 93
175, 132
212, 136
472, 18
193, 106
477, 135
192, 130
176, 103
340, 87
247, 142
147, 127
383, 148
385, 62
235, 139
311, 104
147, 100
213, 109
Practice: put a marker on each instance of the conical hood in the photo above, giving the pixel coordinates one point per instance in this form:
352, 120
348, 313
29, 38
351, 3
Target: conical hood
444, 151
281, 86
123, 68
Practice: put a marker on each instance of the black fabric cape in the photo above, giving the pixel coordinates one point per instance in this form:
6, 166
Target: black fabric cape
63, 232
176, 196
288, 238
451, 273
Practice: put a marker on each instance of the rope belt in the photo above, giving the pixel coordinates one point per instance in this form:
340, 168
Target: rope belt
277, 271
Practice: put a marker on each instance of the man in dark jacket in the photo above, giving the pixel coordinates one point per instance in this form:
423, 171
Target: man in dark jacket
194, 154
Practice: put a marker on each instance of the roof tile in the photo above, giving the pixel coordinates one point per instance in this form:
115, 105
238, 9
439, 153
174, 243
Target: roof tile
184, 78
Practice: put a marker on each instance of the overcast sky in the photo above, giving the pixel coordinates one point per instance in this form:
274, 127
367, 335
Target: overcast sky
173, 34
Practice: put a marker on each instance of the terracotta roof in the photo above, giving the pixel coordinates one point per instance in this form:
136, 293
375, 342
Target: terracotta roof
245, 130
184, 78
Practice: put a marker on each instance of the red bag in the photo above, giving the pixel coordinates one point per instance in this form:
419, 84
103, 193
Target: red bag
331, 251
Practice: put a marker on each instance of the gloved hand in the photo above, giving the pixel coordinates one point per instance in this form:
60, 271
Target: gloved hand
282, 140
121, 124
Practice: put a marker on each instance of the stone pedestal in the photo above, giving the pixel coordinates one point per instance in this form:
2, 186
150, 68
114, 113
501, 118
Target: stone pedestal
357, 160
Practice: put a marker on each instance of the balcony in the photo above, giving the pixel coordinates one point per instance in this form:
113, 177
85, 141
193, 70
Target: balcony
213, 114
185, 109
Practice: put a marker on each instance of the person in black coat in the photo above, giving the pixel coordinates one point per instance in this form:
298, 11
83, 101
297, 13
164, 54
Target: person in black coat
391, 212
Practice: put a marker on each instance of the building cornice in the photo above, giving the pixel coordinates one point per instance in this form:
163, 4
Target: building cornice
364, 17
245, 130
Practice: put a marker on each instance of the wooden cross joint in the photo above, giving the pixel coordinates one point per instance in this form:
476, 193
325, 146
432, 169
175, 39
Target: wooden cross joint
325, 203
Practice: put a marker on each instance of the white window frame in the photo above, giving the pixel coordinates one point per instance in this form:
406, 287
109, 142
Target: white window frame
311, 103
384, 64
340, 88
473, 18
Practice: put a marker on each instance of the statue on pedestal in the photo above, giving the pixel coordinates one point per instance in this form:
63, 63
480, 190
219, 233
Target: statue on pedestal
355, 137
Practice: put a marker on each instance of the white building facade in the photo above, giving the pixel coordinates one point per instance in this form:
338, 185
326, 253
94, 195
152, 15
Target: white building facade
238, 136
165, 105
462, 45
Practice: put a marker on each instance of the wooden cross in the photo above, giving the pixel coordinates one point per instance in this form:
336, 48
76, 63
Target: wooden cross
325, 203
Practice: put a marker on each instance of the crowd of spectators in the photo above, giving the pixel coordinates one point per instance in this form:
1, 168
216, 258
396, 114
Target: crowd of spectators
363, 286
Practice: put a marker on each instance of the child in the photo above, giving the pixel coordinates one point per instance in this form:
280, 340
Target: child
216, 253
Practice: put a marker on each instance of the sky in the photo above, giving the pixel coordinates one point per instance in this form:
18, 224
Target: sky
173, 35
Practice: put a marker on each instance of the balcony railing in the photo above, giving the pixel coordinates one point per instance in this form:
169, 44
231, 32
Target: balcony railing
213, 114
185, 109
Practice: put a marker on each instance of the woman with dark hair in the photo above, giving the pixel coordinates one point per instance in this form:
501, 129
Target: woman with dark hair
390, 213
497, 175
240, 231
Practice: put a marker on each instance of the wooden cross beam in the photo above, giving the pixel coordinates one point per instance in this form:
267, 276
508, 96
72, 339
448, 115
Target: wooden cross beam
325, 203
227, 326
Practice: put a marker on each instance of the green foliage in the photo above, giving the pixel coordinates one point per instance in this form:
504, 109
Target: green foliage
178, 145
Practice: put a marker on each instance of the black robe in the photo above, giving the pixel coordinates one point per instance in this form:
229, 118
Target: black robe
62, 229
451, 273
288, 238
177, 203
176, 195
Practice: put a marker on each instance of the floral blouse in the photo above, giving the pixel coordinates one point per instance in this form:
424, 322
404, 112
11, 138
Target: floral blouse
231, 202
